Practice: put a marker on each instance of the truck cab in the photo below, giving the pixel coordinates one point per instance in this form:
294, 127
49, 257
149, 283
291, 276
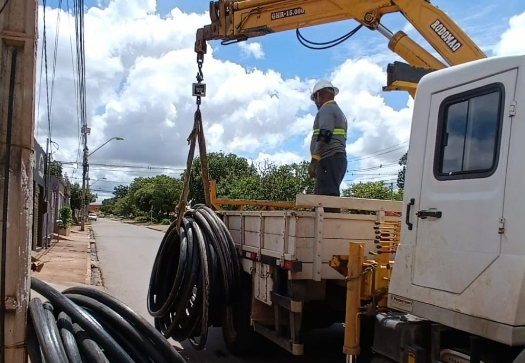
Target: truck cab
461, 261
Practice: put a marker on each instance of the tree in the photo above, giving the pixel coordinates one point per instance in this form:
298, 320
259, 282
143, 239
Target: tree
75, 199
220, 166
108, 205
271, 182
55, 169
159, 194
124, 207
371, 190
120, 191
402, 172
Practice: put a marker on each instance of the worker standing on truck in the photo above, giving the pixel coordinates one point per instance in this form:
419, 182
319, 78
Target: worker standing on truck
328, 145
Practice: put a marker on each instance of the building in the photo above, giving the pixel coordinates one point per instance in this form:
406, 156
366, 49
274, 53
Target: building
94, 208
39, 196
58, 198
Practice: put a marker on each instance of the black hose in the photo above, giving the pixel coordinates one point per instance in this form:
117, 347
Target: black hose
53, 352
68, 338
87, 325
139, 347
162, 345
195, 277
88, 347
33, 347
86, 321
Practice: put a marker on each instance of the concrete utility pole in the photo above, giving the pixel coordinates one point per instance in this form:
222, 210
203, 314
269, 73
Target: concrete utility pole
18, 19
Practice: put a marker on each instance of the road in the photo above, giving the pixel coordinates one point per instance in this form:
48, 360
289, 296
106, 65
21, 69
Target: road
126, 255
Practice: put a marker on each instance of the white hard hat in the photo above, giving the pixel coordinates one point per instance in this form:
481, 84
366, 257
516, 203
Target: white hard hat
324, 84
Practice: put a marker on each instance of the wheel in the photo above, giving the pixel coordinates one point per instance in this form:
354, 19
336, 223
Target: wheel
238, 334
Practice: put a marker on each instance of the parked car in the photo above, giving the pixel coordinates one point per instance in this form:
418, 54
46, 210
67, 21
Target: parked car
92, 217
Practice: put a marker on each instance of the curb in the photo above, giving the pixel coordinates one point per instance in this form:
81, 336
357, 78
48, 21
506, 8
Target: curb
94, 274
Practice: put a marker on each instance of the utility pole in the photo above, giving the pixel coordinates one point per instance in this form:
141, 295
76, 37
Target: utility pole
85, 167
18, 21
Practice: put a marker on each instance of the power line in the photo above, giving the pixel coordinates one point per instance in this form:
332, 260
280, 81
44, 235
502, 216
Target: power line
148, 167
380, 166
380, 152
3, 6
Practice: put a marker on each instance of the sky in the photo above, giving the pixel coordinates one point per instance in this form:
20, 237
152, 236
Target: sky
140, 66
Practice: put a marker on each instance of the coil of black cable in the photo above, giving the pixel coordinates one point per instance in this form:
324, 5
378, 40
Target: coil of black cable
195, 279
86, 325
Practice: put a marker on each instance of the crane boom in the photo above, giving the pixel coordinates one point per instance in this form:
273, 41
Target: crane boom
234, 21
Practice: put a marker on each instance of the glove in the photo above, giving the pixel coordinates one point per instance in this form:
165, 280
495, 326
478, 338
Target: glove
312, 168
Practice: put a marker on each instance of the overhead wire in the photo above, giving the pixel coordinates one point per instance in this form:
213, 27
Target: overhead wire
380, 152
380, 166
3, 6
55, 57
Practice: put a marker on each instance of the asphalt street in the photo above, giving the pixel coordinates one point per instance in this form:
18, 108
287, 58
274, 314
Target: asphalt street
126, 253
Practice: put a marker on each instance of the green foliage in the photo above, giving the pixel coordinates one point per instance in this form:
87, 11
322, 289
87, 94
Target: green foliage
76, 196
108, 205
220, 166
157, 195
124, 207
142, 219
55, 169
372, 190
165, 222
120, 191
402, 172
236, 179
65, 216
271, 182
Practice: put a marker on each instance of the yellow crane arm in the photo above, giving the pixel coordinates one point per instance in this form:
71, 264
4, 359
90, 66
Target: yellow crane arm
233, 21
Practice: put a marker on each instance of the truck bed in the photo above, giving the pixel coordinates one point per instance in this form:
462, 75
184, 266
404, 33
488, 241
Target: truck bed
309, 239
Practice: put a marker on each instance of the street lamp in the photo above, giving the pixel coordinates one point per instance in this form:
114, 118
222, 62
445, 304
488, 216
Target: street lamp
85, 169
118, 138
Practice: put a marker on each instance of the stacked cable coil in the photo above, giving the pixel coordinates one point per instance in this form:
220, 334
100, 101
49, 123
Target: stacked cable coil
195, 279
87, 325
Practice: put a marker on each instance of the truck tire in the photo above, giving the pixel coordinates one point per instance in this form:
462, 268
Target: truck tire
237, 331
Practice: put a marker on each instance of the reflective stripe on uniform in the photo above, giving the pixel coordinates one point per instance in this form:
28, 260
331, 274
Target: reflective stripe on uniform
340, 132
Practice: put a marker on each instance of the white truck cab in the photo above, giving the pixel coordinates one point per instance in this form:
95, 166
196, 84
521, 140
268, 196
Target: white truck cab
461, 261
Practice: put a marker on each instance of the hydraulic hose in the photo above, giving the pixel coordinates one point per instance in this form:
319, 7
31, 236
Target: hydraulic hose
87, 325
195, 278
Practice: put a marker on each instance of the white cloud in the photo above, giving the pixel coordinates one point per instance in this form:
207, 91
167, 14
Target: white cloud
511, 41
252, 49
140, 67
279, 158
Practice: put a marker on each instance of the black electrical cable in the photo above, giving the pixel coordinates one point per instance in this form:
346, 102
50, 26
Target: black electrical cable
33, 347
141, 324
325, 45
140, 348
87, 325
47, 338
88, 347
3, 6
68, 338
96, 335
7, 166
195, 277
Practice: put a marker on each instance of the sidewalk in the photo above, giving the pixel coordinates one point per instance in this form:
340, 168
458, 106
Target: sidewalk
67, 262
158, 227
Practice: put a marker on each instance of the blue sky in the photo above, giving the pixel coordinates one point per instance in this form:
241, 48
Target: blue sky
379, 119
